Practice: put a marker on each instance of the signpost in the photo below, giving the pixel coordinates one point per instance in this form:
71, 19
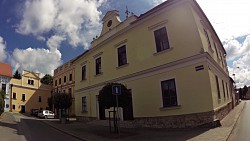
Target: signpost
116, 90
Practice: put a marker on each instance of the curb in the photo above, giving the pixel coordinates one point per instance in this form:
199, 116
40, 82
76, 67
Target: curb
235, 122
72, 135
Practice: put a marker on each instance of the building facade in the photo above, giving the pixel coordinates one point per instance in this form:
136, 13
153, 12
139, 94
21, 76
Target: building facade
64, 82
5, 76
170, 58
29, 93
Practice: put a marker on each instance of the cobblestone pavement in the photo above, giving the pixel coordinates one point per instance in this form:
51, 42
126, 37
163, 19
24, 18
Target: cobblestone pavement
95, 131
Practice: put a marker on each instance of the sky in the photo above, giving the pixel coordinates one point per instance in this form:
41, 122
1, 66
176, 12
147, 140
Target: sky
40, 35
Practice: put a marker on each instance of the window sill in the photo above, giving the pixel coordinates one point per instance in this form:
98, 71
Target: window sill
163, 51
84, 112
170, 108
99, 74
122, 66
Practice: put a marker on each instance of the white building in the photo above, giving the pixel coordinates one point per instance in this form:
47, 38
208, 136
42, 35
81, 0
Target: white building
5, 76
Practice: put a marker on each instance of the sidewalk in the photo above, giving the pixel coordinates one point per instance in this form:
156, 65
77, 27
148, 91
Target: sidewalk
94, 131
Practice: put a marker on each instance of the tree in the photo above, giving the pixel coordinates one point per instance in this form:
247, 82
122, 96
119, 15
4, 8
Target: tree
62, 101
2, 95
245, 89
47, 79
241, 93
17, 75
107, 99
50, 103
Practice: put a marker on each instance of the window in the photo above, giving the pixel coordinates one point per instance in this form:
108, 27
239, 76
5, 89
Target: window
14, 107
216, 50
14, 96
56, 83
39, 99
218, 86
4, 87
169, 95
223, 89
70, 77
208, 41
83, 72
84, 104
23, 97
98, 66
30, 82
161, 39
59, 81
122, 56
227, 91
65, 78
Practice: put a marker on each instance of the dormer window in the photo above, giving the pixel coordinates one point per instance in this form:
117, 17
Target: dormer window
109, 23
30, 82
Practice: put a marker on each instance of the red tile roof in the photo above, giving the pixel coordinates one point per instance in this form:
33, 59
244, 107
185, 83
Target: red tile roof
5, 69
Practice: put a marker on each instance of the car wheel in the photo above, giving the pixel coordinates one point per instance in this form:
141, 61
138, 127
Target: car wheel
45, 117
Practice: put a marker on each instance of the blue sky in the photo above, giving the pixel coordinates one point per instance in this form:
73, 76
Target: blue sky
40, 35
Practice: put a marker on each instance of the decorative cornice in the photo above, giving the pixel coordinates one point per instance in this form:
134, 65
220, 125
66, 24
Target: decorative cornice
33, 88
161, 69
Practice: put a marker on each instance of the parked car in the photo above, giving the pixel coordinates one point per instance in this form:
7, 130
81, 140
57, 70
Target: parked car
46, 114
33, 112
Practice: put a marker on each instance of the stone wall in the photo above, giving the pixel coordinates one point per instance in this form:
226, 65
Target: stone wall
85, 119
222, 112
204, 119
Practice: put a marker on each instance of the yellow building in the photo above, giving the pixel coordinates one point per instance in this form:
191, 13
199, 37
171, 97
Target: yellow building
64, 82
28, 93
169, 57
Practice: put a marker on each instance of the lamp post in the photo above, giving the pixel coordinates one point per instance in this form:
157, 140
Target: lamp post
234, 75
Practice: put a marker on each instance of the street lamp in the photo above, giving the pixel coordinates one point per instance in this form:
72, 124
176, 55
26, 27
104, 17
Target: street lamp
234, 73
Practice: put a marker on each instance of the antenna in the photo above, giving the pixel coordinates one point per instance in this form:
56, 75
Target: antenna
127, 12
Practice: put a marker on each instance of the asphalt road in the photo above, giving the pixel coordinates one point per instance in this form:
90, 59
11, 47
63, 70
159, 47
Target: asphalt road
15, 127
241, 131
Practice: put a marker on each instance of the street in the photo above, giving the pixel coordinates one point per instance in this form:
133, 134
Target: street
16, 127
241, 131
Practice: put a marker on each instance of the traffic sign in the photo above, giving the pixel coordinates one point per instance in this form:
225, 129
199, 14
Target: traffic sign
116, 90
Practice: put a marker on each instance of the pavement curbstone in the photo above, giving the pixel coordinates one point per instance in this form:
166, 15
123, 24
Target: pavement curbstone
237, 118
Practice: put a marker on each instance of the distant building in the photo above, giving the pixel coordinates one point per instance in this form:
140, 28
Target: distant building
248, 93
29, 93
170, 58
64, 82
5, 76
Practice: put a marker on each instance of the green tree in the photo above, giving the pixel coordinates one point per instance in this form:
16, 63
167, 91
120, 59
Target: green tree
2, 95
62, 101
107, 99
245, 89
50, 102
241, 93
47, 79
17, 75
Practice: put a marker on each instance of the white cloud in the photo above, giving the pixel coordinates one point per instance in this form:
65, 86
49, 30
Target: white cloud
241, 65
37, 60
230, 18
156, 2
3, 54
54, 42
78, 21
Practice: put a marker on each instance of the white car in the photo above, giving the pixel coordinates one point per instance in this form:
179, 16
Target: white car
46, 114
